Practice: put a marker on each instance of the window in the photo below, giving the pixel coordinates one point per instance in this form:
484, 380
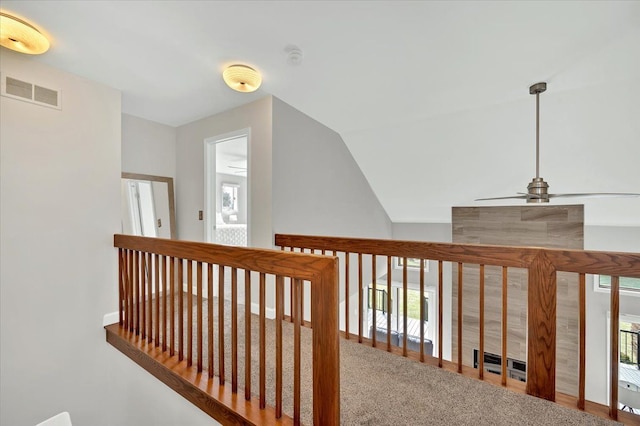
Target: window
230, 197
603, 282
629, 343
412, 263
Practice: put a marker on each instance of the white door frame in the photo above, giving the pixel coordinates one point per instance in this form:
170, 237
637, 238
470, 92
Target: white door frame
209, 174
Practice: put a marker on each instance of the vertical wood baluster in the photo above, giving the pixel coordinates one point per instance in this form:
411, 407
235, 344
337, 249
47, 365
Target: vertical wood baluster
291, 291
440, 296
143, 296
247, 335
199, 316
156, 265
180, 291
615, 346
263, 351
374, 306
481, 338
360, 319
210, 317
149, 272
422, 313
302, 309
189, 312
582, 300
130, 293
405, 301
389, 273
297, 288
234, 330
128, 256
505, 332
121, 285
459, 317
346, 295
279, 318
124, 278
164, 303
172, 307
136, 292
221, 323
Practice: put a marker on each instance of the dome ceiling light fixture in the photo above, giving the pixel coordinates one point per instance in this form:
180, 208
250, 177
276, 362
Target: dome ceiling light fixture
537, 188
21, 36
242, 78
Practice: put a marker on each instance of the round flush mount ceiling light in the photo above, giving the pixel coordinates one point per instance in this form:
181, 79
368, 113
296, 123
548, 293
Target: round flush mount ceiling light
21, 36
242, 78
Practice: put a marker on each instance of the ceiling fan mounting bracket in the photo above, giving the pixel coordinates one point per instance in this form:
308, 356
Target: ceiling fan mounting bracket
538, 88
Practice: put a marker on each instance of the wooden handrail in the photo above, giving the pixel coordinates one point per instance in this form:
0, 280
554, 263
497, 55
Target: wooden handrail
580, 261
143, 265
542, 264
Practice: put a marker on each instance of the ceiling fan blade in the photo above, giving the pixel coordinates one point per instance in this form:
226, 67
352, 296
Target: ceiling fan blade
502, 198
595, 195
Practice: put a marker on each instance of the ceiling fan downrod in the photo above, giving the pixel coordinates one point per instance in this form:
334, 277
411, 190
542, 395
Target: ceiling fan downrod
537, 190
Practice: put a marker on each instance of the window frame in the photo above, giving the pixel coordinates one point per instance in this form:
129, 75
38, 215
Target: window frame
626, 291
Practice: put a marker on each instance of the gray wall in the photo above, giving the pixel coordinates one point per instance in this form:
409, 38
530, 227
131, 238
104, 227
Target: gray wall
60, 206
148, 147
190, 169
318, 188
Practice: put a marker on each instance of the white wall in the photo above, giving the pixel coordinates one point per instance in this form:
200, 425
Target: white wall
190, 169
59, 209
148, 147
60, 206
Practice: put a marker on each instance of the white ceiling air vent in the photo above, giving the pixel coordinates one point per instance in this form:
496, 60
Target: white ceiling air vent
30, 92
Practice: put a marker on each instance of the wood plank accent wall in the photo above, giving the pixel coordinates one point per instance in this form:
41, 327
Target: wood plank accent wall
540, 226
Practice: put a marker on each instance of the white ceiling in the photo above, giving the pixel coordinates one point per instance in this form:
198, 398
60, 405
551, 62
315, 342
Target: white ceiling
430, 97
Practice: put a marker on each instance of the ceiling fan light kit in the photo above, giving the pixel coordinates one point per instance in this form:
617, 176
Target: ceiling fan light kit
21, 36
537, 190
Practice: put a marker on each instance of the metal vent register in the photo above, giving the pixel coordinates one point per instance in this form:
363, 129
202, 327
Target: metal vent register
30, 92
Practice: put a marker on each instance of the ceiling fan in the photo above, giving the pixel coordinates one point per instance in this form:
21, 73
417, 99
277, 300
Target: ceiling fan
537, 188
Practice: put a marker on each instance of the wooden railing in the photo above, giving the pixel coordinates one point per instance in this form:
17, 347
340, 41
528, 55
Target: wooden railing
542, 266
152, 309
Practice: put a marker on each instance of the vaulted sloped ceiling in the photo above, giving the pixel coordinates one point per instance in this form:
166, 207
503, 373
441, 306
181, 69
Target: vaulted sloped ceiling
430, 97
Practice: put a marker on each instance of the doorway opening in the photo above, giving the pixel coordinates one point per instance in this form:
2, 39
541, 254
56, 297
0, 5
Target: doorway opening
226, 189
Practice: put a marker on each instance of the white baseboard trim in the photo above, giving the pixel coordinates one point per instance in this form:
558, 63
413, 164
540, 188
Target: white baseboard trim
110, 318
269, 313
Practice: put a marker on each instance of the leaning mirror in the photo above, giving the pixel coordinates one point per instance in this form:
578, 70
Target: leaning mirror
148, 206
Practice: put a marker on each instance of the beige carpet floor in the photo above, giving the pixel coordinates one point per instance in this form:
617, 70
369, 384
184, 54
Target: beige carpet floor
379, 388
